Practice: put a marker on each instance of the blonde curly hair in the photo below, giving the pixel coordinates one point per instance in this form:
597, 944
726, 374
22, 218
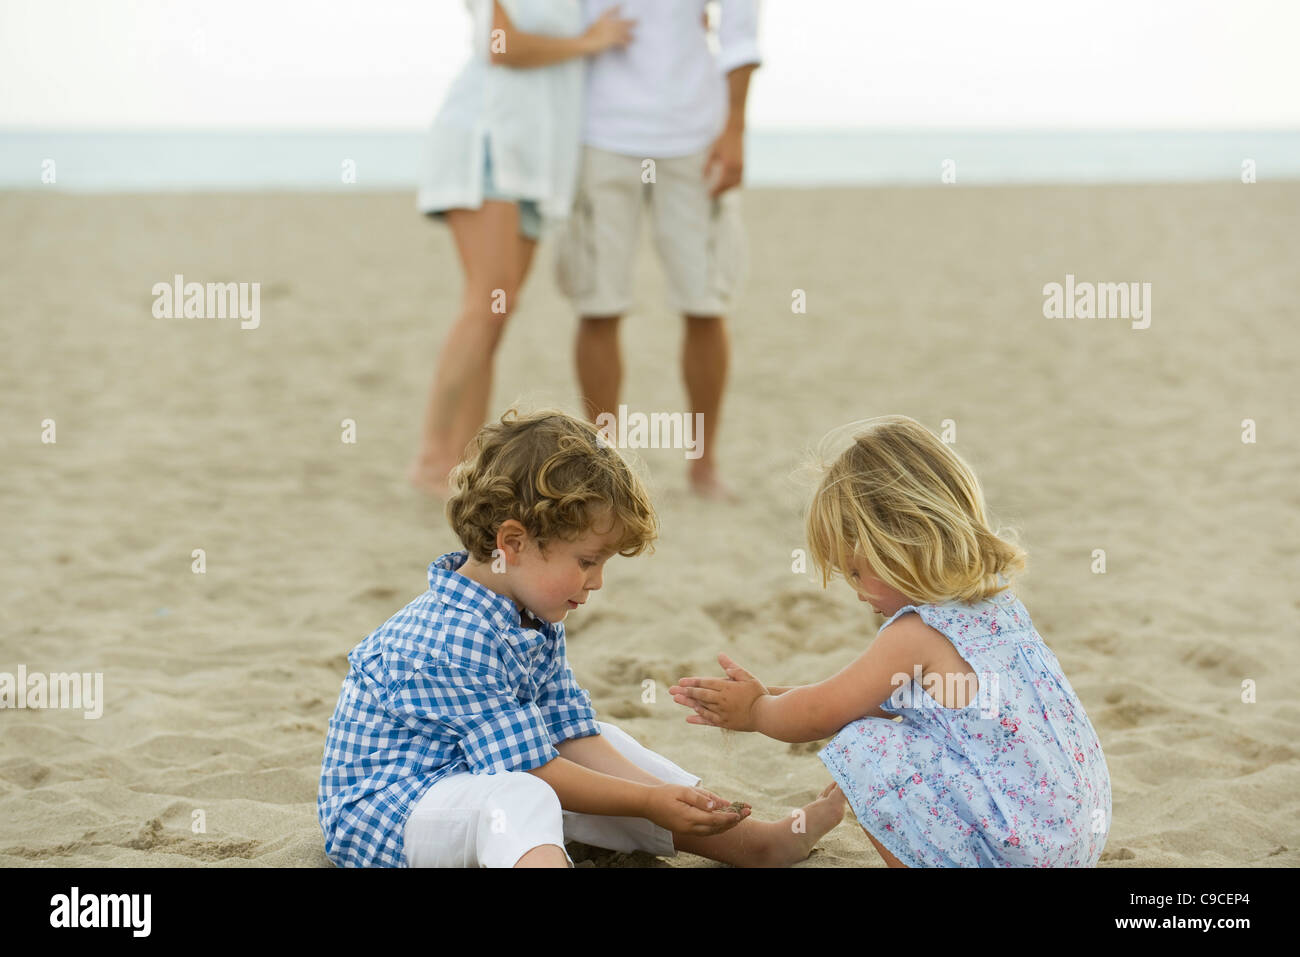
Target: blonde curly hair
556, 476
907, 503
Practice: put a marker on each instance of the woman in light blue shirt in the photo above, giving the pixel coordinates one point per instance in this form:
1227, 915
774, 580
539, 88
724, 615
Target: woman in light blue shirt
501, 158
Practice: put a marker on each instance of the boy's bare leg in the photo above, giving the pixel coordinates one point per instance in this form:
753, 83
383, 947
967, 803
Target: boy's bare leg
770, 843
704, 369
750, 843
600, 366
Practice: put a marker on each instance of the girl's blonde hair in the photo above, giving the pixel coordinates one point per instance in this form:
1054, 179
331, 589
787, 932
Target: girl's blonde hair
909, 505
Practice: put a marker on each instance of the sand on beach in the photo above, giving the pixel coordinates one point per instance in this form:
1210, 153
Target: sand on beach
176, 435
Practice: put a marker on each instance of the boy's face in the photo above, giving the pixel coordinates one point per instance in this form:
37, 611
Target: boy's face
551, 585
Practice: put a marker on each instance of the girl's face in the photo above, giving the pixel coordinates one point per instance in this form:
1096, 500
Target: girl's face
883, 599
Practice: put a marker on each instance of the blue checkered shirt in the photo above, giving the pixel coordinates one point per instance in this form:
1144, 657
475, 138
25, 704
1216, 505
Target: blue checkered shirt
453, 682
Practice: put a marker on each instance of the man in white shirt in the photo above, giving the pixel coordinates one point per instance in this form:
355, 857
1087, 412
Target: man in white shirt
663, 126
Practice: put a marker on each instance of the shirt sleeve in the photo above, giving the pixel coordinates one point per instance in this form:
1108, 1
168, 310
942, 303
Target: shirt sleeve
738, 34
566, 706
493, 729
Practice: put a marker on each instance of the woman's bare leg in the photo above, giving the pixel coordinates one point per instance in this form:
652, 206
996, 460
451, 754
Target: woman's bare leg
495, 261
473, 411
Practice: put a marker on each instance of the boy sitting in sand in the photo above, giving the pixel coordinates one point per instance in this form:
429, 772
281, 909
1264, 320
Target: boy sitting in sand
461, 738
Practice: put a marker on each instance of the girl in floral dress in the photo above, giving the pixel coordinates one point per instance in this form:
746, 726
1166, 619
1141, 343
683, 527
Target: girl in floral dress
956, 737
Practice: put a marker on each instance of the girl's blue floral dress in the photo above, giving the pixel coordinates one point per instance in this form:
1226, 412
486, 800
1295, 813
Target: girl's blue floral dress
1016, 779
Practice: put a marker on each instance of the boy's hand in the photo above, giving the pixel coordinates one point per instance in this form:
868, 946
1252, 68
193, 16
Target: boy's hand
689, 810
722, 702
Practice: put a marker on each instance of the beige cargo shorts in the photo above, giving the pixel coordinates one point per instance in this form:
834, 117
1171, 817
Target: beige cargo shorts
700, 239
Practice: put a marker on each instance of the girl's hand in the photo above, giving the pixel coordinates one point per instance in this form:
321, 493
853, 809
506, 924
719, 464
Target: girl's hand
609, 30
722, 702
691, 810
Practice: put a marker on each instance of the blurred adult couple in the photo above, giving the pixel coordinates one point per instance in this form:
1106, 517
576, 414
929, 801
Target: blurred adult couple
575, 117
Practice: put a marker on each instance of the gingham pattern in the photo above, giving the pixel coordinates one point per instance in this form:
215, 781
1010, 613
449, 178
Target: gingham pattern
452, 682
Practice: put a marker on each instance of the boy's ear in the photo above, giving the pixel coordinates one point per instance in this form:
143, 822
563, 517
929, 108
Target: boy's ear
511, 538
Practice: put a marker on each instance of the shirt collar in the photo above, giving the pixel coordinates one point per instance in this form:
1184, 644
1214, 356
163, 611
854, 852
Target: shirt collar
467, 594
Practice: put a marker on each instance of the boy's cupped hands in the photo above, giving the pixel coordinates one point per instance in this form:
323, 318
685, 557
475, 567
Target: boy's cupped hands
693, 810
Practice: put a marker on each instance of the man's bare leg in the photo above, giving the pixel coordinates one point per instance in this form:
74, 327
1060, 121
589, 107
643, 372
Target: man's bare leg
704, 369
600, 366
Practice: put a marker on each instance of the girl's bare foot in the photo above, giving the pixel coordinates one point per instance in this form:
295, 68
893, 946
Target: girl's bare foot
790, 844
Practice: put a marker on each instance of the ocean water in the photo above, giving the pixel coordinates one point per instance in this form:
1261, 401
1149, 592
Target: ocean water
99, 161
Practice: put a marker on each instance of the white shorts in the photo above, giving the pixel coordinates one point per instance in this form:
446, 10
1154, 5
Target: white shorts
700, 239
492, 820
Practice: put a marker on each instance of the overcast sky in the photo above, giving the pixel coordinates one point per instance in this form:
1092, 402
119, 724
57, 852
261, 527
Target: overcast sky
827, 63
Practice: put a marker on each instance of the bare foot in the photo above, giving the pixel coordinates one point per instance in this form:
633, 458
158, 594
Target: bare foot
431, 477
790, 845
707, 485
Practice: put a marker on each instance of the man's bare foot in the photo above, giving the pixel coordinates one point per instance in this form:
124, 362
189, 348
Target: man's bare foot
431, 477
789, 845
707, 485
